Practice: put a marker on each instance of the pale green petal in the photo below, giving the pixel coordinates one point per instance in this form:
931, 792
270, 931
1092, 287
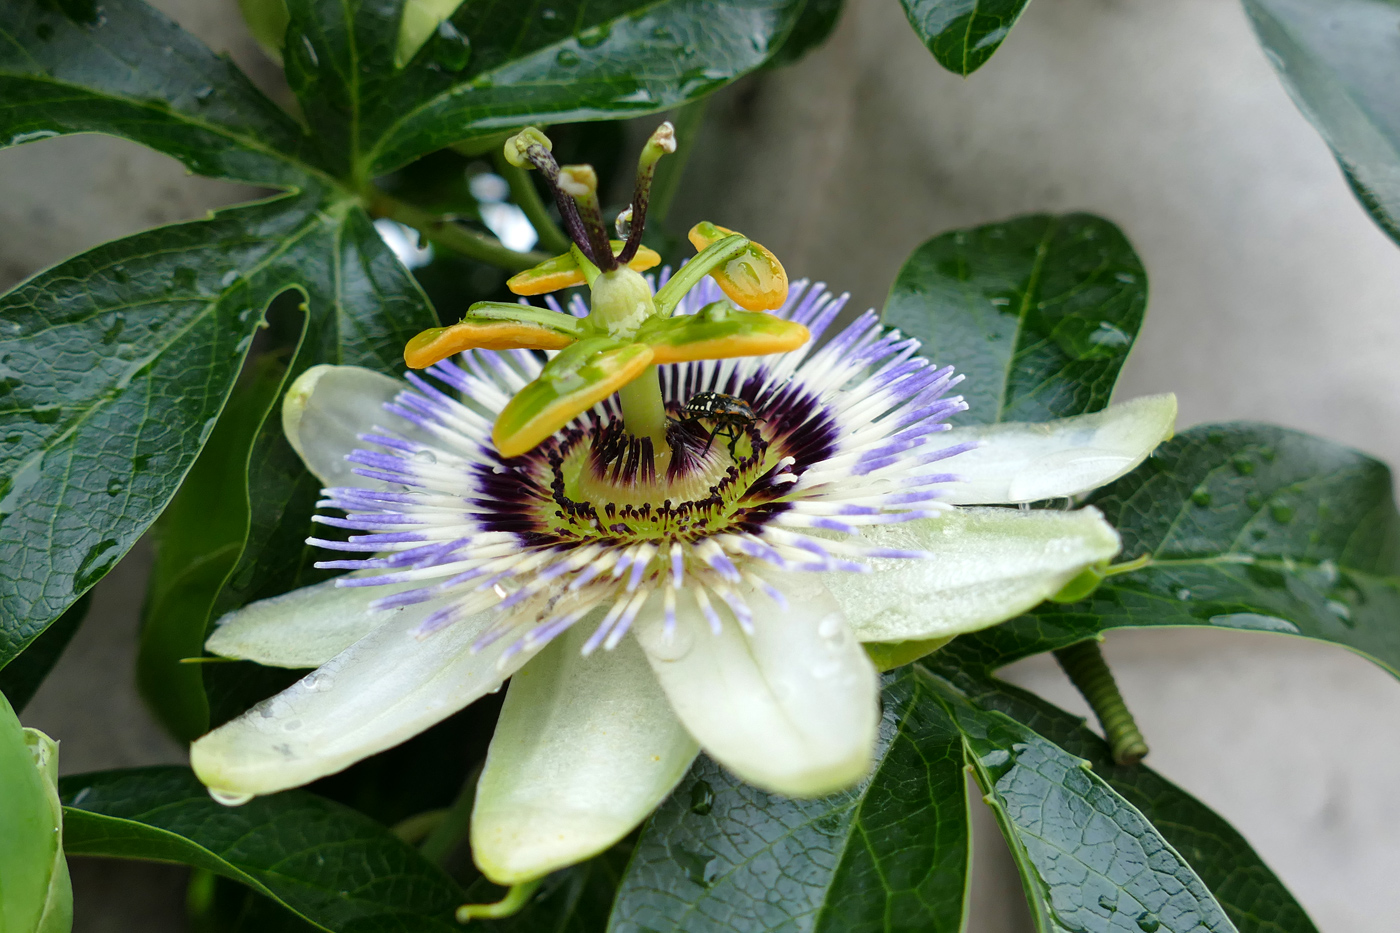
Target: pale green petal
326, 410
386, 688
1027, 462
35, 893
309, 626
584, 750
420, 18
792, 708
987, 565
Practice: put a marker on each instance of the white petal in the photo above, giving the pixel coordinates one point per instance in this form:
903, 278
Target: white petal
792, 709
324, 412
1025, 462
584, 750
309, 626
386, 688
987, 565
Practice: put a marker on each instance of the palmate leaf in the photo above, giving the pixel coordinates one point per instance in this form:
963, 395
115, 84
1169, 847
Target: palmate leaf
1247, 527
511, 64
963, 34
1340, 62
1251, 895
1039, 311
334, 867
890, 855
1090, 861
128, 70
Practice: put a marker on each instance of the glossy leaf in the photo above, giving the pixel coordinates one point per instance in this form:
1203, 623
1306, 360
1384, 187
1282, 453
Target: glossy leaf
577, 899
892, 854
1247, 527
1039, 312
127, 70
116, 365
331, 865
22, 677
510, 64
198, 540
1252, 896
1339, 62
35, 893
963, 34
1089, 860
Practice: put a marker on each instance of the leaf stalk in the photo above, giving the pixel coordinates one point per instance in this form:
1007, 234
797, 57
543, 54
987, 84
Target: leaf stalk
447, 232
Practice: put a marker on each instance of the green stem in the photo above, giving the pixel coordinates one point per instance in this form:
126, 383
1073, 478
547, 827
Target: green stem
454, 236
1086, 669
524, 193
669, 173
516, 898
643, 409
455, 823
692, 272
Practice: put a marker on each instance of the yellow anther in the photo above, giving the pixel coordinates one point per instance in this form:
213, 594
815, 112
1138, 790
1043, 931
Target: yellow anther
563, 272
754, 279
438, 343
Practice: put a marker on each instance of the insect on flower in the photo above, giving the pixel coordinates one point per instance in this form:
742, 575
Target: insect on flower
731, 416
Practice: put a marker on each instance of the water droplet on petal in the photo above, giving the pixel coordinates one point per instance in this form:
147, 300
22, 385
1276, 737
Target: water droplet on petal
228, 798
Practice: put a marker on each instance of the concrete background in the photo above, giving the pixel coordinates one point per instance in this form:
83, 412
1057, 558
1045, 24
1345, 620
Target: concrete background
1273, 297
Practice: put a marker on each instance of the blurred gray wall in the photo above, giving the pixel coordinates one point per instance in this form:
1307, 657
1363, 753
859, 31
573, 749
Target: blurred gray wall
1273, 297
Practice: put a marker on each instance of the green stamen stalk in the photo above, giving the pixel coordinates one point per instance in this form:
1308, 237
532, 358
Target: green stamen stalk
1083, 663
692, 272
643, 410
511, 904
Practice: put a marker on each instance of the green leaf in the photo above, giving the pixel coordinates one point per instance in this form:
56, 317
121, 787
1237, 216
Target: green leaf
128, 70
813, 27
198, 541
511, 64
576, 899
963, 34
331, 865
1252, 896
1039, 311
1089, 860
1339, 62
1246, 527
21, 678
890, 854
115, 366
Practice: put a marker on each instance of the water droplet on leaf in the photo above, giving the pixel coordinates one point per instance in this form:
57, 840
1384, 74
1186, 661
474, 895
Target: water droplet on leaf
567, 57
99, 559
46, 414
1242, 464
1281, 513
114, 487
1201, 497
1147, 922
702, 798
451, 51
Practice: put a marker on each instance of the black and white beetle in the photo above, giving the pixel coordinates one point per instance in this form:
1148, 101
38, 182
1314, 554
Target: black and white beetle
731, 416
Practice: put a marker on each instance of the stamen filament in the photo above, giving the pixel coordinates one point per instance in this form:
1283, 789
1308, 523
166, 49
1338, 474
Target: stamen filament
690, 274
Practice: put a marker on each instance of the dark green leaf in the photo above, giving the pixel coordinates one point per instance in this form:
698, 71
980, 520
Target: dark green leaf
1039, 311
1340, 59
813, 27
1248, 527
115, 366
1252, 896
329, 864
576, 899
20, 679
128, 70
1089, 860
514, 63
963, 34
198, 541
889, 855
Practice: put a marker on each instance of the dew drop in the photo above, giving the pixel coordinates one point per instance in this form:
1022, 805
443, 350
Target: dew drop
228, 798
229, 278
549, 14
1147, 922
114, 330
1201, 497
594, 36
203, 94
425, 456
1183, 594
702, 798
1283, 514
1127, 278
99, 559
451, 51
567, 57
114, 487
1254, 501
120, 276
1242, 464
1109, 904
46, 414
310, 51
